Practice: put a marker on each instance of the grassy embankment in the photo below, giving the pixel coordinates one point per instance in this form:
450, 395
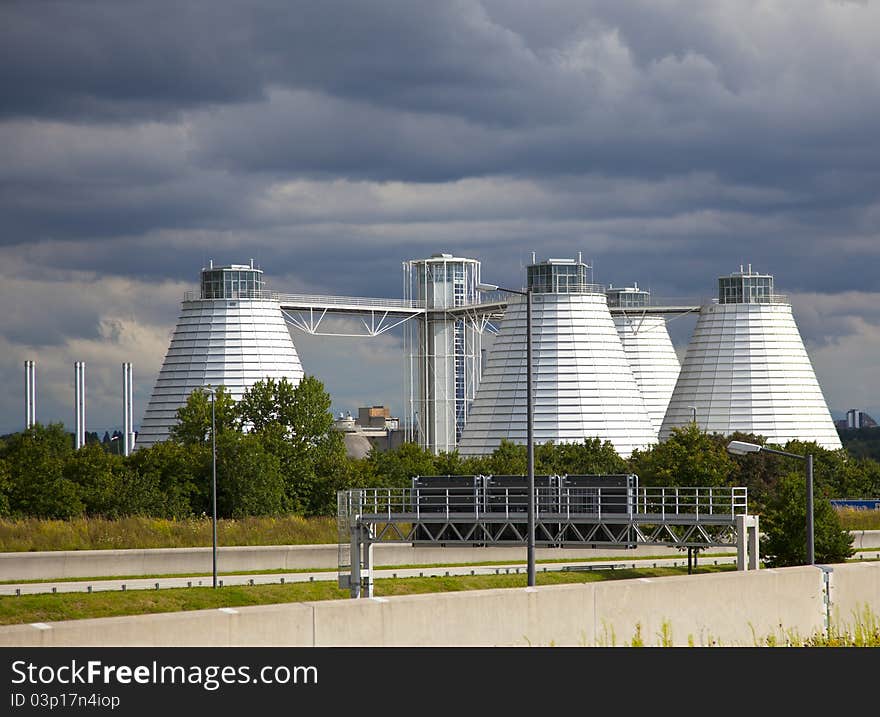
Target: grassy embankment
73, 606
138, 532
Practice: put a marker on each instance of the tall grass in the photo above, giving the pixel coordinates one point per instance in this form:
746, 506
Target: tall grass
30, 534
856, 519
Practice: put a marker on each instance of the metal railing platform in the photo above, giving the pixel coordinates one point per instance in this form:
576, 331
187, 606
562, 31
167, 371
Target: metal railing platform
565, 517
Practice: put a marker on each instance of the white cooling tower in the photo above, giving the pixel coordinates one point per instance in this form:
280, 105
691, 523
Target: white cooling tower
583, 385
648, 349
746, 369
233, 335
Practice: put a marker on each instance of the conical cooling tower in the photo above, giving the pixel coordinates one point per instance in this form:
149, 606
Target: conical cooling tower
234, 336
583, 385
746, 369
648, 349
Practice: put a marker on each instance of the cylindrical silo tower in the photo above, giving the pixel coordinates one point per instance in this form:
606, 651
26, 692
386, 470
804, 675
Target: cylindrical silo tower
583, 385
648, 348
746, 369
444, 349
233, 335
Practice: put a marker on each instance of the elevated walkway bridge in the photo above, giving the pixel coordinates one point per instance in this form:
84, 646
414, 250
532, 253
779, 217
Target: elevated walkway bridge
379, 315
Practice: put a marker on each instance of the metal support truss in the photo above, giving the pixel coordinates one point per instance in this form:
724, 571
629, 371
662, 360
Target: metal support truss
380, 322
567, 517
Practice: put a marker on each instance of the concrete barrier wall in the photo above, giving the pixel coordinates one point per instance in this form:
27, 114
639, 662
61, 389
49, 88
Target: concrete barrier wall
854, 592
729, 609
52, 565
866, 539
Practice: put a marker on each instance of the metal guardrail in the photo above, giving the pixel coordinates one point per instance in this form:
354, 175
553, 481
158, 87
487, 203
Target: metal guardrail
348, 301
259, 294
765, 299
555, 504
314, 299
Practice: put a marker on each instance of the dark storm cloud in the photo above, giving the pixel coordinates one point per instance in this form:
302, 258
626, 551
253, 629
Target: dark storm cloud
331, 141
121, 61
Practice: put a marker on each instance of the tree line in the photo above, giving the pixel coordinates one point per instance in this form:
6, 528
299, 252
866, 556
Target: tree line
278, 453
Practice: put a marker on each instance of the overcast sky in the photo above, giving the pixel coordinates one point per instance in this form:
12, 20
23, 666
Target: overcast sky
667, 141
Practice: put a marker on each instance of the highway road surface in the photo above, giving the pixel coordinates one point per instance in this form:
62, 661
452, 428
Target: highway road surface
61, 586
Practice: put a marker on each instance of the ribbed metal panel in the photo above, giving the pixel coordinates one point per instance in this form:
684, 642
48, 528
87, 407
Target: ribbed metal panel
233, 343
653, 361
583, 385
746, 369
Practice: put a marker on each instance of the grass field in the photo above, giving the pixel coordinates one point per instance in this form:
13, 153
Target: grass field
138, 532
853, 519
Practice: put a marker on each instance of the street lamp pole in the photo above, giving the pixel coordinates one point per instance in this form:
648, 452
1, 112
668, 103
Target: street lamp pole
213, 484
740, 448
811, 552
530, 432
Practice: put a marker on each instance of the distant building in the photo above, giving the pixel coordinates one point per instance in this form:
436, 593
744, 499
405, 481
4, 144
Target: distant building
377, 417
856, 418
374, 427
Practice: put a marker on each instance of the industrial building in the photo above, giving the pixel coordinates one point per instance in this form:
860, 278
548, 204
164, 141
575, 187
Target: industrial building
604, 365
374, 427
648, 348
443, 348
856, 418
746, 369
583, 383
233, 334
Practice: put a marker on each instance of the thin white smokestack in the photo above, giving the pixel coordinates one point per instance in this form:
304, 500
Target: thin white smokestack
127, 433
30, 394
79, 396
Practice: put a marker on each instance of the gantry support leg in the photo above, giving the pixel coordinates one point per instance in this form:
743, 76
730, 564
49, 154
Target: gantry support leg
754, 563
367, 570
354, 581
747, 557
361, 581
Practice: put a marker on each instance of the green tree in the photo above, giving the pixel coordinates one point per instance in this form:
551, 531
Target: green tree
395, 469
37, 485
758, 472
508, 459
308, 414
331, 472
270, 407
450, 463
166, 480
784, 527
249, 480
98, 476
861, 442
593, 456
865, 483
5, 484
194, 417
689, 457
295, 424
